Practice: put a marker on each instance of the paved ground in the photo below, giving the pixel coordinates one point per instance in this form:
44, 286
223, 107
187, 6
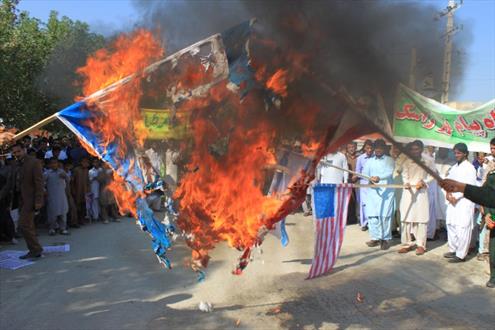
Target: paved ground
111, 280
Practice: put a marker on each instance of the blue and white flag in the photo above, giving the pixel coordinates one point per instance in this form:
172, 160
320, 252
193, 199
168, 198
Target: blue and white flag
330, 204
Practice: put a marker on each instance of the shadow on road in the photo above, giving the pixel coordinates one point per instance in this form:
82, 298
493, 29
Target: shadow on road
399, 297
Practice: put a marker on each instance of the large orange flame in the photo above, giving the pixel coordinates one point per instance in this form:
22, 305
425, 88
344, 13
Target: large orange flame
222, 198
221, 190
118, 118
125, 197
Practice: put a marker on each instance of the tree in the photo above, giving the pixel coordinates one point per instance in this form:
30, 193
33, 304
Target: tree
38, 62
71, 43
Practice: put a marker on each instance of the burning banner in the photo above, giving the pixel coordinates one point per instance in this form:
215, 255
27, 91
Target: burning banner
228, 106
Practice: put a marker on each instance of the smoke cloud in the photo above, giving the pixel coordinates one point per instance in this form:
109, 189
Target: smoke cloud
360, 44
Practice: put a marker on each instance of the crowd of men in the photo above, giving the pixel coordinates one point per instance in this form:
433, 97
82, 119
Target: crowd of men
407, 201
52, 182
55, 181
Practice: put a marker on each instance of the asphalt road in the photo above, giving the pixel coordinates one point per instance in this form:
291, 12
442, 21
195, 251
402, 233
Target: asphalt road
111, 280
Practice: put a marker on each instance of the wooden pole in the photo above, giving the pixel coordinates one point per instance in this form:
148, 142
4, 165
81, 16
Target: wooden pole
406, 152
349, 171
412, 70
447, 57
393, 186
358, 110
39, 124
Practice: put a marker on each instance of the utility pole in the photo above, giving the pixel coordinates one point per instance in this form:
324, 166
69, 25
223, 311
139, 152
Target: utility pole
412, 71
447, 57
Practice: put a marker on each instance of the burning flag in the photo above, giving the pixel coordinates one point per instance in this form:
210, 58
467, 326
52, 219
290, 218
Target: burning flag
108, 124
240, 105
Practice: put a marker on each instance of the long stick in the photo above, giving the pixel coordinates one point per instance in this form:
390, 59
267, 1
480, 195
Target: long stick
347, 170
406, 152
394, 186
125, 80
402, 149
39, 124
361, 112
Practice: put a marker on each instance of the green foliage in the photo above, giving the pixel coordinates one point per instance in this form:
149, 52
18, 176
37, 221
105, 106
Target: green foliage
38, 62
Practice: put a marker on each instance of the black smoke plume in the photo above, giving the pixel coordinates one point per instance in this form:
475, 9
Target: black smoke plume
361, 45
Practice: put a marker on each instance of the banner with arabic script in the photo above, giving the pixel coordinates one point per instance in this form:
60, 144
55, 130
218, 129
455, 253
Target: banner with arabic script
418, 117
163, 124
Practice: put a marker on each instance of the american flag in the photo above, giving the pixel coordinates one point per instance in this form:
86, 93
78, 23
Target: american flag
330, 204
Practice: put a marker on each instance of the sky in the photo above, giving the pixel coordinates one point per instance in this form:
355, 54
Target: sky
107, 16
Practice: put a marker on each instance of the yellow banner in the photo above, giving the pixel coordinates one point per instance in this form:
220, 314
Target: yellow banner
160, 124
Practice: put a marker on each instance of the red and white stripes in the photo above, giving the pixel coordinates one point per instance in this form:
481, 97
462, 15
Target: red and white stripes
330, 234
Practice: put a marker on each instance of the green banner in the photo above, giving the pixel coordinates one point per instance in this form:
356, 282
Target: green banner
161, 124
418, 117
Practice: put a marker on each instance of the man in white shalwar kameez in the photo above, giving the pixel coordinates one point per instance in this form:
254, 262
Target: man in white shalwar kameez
443, 163
435, 197
415, 204
94, 185
460, 210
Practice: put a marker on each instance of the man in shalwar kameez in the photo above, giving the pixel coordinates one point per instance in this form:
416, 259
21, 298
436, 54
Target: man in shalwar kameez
434, 196
415, 204
399, 159
94, 186
57, 205
380, 202
460, 211
360, 164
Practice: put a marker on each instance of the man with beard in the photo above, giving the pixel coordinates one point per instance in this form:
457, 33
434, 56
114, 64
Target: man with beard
460, 210
380, 201
414, 206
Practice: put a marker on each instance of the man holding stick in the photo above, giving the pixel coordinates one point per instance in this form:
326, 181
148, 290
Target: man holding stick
414, 206
380, 201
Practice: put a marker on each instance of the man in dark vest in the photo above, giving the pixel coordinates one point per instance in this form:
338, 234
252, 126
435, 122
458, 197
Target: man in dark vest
29, 192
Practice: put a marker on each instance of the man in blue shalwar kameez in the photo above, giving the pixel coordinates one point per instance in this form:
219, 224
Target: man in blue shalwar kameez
380, 202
